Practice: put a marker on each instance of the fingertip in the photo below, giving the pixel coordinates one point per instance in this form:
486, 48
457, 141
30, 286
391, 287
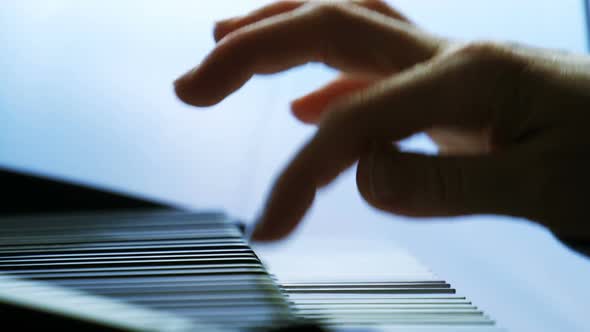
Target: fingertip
261, 234
181, 91
300, 111
218, 33
187, 93
296, 105
198, 88
288, 203
267, 231
220, 30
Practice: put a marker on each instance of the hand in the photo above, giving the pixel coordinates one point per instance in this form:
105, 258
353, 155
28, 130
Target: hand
509, 121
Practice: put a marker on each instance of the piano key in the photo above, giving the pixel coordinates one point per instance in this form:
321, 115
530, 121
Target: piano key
373, 290
415, 328
348, 296
189, 299
132, 218
118, 264
85, 238
248, 323
417, 324
113, 224
244, 323
130, 274
402, 310
40, 256
135, 268
379, 324
381, 301
213, 302
206, 244
114, 227
153, 288
364, 284
376, 320
56, 229
399, 316
218, 279
312, 287
385, 306
143, 256
171, 290
259, 312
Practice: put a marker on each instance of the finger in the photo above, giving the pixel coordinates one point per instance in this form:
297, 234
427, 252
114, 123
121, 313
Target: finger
342, 137
223, 28
346, 39
310, 107
439, 93
294, 191
426, 186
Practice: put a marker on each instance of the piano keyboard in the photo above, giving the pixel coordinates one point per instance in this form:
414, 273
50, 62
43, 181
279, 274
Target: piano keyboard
199, 268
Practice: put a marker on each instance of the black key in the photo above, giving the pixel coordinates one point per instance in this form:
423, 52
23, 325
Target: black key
98, 265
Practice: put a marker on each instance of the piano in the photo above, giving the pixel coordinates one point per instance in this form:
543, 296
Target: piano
197, 268
83, 65
152, 268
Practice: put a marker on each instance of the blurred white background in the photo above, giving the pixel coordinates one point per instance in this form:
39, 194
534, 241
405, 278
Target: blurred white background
86, 95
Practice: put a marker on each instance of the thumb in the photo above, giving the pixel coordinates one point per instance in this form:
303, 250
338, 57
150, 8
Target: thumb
428, 186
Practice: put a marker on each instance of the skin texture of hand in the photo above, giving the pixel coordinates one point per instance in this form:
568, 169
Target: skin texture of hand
509, 121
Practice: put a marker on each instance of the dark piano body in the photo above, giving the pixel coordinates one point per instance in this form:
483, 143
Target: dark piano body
72, 256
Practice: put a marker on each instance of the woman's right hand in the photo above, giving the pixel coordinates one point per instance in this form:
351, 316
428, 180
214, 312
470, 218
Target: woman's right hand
510, 121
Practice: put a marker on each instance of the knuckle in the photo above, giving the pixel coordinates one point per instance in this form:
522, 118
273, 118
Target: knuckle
329, 11
480, 48
494, 72
490, 52
325, 21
